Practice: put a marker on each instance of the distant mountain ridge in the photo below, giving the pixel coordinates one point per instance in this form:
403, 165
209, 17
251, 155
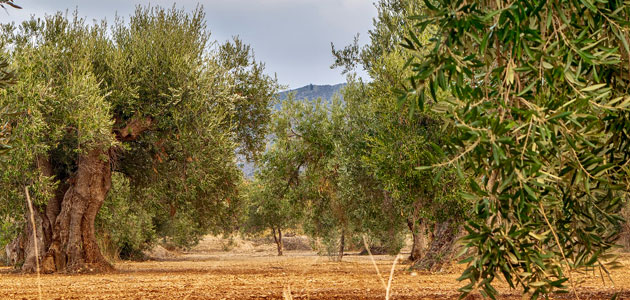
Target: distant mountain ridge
313, 91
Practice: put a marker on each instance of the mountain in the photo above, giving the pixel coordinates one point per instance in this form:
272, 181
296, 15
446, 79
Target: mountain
312, 91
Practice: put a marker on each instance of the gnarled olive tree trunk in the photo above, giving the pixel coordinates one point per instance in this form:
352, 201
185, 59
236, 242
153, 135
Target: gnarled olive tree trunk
73, 247
419, 241
441, 249
64, 227
65, 233
22, 249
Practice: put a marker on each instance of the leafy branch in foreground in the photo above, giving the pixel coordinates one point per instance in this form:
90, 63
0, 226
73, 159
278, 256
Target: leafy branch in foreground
538, 94
9, 3
6, 79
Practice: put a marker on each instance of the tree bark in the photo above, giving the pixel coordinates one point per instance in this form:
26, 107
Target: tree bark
22, 249
31, 259
342, 244
65, 225
441, 249
278, 240
419, 242
73, 247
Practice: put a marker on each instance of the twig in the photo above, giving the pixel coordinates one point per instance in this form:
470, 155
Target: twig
471, 148
286, 293
391, 277
378, 272
30, 208
555, 236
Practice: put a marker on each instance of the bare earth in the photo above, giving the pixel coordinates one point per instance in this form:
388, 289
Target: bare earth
254, 273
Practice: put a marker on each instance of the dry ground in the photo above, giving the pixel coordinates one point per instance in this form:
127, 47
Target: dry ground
254, 273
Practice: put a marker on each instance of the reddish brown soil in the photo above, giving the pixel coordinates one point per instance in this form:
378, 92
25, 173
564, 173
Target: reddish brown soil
303, 275
250, 270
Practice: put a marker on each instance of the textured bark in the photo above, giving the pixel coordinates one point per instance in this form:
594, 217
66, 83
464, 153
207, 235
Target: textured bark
22, 249
419, 244
15, 251
65, 225
135, 126
342, 244
73, 247
624, 234
278, 240
30, 258
441, 249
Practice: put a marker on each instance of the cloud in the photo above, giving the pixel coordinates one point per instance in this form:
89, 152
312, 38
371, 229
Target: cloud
291, 36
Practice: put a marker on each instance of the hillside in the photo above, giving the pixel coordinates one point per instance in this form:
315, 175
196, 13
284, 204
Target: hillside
312, 91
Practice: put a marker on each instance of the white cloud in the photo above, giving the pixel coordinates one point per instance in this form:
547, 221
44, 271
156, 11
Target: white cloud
291, 36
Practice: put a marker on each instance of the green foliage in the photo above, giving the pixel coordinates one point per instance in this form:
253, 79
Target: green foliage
538, 94
384, 144
6, 79
9, 229
8, 225
169, 109
124, 224
181, 230
269, 203
254, 92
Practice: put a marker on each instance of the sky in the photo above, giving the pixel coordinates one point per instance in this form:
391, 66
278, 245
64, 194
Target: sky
292, 37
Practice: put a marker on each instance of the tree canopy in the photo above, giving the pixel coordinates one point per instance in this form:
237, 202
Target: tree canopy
151, 98
537, 91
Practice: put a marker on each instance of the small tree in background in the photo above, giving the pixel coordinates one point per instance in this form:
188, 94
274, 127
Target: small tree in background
539, 96
299, 169
270, 203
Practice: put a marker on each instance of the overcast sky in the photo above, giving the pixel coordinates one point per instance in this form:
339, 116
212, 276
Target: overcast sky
292, 37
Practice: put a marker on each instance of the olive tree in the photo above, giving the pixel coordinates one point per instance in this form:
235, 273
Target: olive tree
394, 141
538, 93
299, 169
269, 202
151, 98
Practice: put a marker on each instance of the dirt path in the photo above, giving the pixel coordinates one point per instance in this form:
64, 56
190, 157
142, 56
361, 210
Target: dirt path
262, 276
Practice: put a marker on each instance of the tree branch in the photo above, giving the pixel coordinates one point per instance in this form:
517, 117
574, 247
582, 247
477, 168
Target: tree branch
136, 126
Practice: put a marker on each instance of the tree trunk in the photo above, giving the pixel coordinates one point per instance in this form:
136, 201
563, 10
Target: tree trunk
342, 244
30, 255
441, 249
22, 249
278, 240
419, 242
65, 225
73, 247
